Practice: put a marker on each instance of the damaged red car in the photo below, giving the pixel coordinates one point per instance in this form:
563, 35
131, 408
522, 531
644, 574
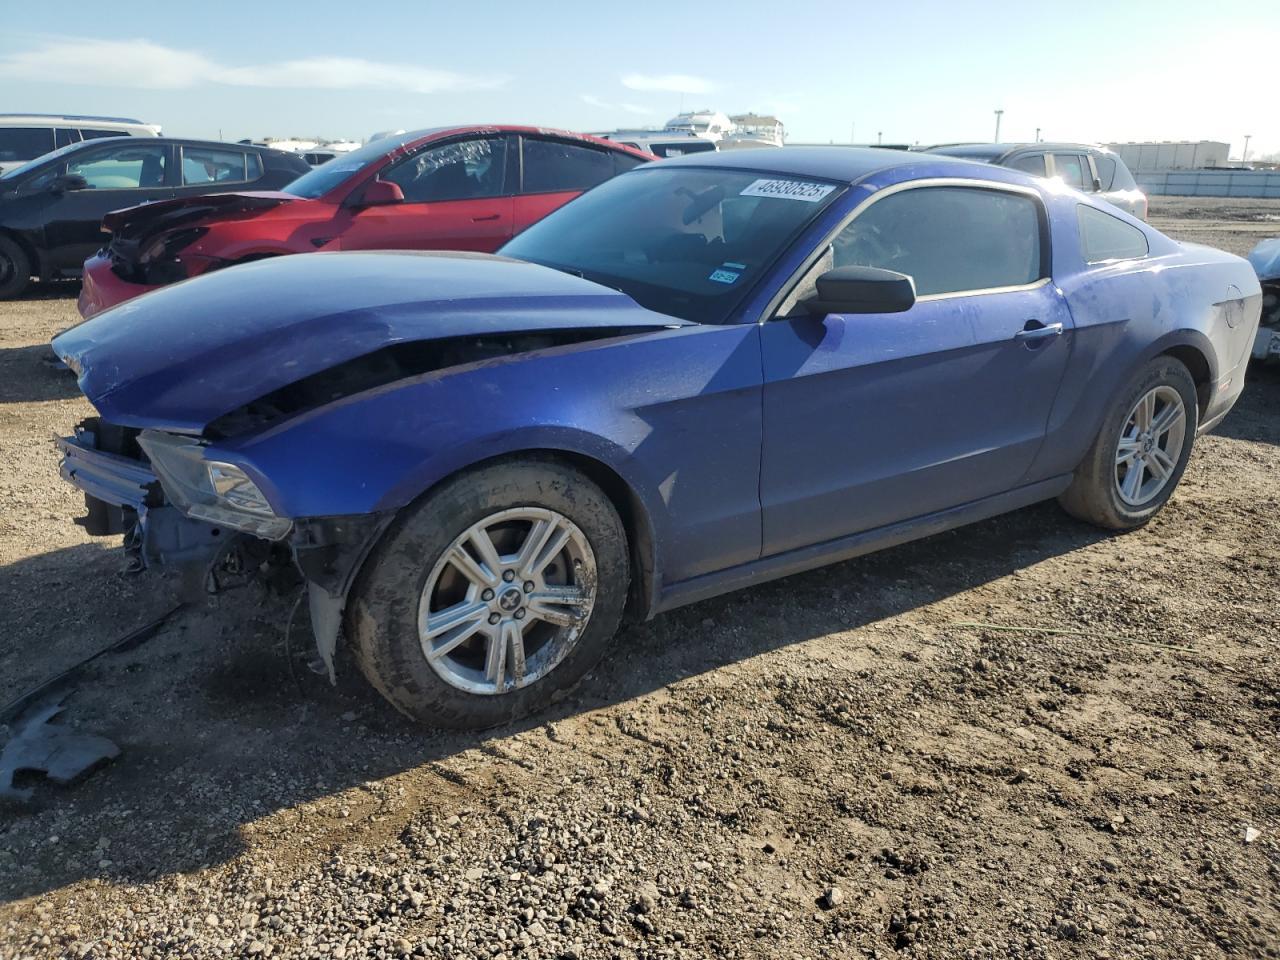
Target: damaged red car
451, 188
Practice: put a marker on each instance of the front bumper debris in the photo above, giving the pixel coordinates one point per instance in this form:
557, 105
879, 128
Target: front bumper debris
123, 496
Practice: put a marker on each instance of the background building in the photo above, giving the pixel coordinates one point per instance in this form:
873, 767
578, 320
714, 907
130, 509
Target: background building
1173, 154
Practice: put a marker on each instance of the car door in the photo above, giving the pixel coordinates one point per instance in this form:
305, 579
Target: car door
872, 419
456, 197
123, 173
553, 172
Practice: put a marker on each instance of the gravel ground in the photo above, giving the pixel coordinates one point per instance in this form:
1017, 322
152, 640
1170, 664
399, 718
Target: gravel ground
840, 764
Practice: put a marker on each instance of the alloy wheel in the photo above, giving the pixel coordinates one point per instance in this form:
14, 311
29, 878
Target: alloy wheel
507, 601
1150, 445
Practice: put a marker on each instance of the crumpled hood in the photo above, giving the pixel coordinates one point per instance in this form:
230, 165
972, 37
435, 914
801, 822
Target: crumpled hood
1265, 258
147, 219
181, 356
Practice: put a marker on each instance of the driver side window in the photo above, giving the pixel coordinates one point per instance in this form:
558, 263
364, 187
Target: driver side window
948, 239
124, 167
463, 170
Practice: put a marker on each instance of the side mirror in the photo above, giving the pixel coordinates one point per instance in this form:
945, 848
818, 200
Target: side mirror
68, 181
862, 290
380, 193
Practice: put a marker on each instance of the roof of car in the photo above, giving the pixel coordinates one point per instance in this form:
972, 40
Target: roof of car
829, 163
992, 151
181, 142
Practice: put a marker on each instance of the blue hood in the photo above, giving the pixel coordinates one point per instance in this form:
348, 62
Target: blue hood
1265, 258
184, 355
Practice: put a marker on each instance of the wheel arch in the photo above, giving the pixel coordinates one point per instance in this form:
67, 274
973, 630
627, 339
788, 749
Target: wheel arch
1194, 351
634, 512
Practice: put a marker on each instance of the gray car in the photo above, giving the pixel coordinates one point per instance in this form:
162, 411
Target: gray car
1086, 167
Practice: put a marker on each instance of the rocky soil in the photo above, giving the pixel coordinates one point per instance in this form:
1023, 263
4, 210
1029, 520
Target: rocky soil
1024, 738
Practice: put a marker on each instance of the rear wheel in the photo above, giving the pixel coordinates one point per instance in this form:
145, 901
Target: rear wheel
15, 268
1141, 452
492, 596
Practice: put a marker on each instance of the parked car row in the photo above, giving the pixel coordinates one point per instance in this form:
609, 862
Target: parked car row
183, 207
26, 136
704, 373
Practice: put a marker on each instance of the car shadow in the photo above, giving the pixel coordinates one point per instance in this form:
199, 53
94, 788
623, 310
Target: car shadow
221, 724
33, 374
1256, 415
61, 289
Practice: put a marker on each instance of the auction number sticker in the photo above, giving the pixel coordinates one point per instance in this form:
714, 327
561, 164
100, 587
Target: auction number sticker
804, 190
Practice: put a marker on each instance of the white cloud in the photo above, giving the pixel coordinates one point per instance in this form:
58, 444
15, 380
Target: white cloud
595, 101
667, 83
141, 63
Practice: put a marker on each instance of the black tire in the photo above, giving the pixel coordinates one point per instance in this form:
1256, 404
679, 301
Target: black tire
15, 268
382, 617
1093, 495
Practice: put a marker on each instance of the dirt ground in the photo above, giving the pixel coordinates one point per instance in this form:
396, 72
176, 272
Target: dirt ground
840, 764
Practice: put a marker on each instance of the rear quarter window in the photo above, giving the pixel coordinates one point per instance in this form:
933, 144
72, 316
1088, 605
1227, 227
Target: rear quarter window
1104, 237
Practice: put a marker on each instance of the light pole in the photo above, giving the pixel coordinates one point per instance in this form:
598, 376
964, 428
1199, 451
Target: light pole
999, 114
1037, 134
1245, 157
852, 129
879, 138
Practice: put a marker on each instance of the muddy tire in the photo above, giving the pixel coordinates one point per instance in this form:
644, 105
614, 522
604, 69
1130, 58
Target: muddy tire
491, 597
15, 268
1141, 451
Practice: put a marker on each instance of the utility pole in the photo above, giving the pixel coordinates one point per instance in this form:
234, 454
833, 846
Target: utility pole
999, 114
1245, 157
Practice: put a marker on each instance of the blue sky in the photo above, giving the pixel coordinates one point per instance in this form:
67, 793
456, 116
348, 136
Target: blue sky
913, 71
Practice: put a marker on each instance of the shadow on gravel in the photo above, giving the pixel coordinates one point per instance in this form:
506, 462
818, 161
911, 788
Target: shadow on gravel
1256, 416
32, 374
50, 290
219, 728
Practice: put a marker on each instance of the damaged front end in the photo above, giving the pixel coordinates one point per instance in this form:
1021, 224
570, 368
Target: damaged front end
1265, 258
207, 522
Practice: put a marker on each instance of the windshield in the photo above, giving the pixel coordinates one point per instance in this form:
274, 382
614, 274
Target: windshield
328, 175
41, 160
685, 241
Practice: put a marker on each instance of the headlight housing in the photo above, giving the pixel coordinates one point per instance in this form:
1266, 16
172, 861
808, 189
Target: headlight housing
211, 490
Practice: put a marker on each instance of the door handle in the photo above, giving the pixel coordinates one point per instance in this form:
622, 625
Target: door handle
492, 216
1040, 331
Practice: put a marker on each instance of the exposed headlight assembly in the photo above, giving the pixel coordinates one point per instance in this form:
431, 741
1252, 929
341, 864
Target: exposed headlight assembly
210, 490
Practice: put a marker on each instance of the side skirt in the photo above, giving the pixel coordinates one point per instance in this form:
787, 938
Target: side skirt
846, 548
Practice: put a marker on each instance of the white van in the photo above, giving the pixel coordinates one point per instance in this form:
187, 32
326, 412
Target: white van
25, 136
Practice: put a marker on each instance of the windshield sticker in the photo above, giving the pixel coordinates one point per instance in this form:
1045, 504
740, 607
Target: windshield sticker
803, 190
721, 275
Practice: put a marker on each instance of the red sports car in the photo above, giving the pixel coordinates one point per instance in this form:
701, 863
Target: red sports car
452, 188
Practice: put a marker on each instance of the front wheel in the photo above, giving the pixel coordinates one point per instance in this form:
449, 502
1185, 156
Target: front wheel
15, 268
1141, 452
493, 595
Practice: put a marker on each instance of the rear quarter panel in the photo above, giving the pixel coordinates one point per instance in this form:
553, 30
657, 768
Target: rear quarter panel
1128, 311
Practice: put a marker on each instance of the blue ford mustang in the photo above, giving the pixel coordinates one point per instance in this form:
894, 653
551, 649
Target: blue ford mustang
702, 374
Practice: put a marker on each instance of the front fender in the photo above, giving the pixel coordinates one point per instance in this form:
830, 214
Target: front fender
673, 413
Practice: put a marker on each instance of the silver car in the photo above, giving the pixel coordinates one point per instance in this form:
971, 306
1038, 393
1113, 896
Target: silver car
1086, 167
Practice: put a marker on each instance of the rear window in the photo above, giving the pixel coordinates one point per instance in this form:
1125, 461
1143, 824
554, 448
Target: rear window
201, 165
552, 167
1104, 237
24, 143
